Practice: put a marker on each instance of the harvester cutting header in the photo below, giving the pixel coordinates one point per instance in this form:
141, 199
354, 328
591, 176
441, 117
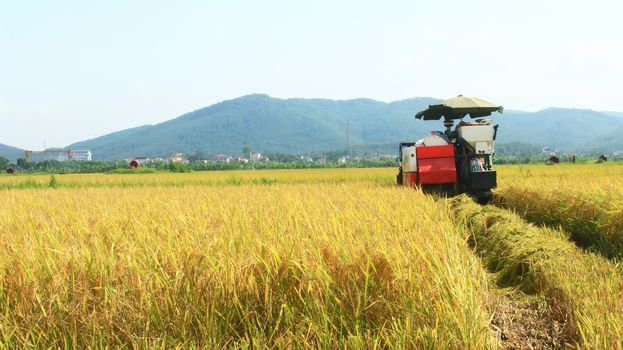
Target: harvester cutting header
459, 160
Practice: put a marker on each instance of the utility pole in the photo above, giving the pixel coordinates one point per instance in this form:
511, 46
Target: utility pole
348, 136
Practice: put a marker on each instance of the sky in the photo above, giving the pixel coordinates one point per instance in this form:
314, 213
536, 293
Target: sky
74, 70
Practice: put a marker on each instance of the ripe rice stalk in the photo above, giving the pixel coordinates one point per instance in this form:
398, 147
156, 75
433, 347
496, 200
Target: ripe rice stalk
583, 286
586, 201
330, 265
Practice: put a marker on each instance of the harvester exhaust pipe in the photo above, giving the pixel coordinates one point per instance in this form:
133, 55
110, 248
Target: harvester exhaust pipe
448, 123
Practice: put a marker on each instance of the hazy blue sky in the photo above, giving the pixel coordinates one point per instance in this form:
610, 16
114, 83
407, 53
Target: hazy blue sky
71, 70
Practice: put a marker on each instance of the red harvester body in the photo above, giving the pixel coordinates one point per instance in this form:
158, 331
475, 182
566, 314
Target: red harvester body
435, 165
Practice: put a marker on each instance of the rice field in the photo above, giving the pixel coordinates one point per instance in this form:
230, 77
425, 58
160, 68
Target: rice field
583, 287
324, 258
292, 265
585, 200
207, 178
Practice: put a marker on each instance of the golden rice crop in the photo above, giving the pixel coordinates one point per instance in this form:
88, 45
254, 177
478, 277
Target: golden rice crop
329, 258
585, 287
585, 200
329, 265
204, 178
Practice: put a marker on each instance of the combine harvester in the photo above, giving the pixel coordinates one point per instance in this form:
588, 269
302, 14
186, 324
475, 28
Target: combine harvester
454, 161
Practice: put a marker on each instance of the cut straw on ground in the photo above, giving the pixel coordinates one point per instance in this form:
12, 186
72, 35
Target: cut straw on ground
585, 287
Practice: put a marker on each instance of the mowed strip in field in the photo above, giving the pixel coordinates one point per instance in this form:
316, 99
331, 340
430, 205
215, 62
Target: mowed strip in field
585, 200
330, 265
583, 287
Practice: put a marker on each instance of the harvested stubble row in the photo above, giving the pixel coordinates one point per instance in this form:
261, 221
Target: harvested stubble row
585, 200
288, 266
592, 223
583, 286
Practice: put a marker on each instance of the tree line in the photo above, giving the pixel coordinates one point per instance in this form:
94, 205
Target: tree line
279, 162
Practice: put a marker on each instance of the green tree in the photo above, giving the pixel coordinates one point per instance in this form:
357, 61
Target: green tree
196, 156
21, 162
246, 150
4, 163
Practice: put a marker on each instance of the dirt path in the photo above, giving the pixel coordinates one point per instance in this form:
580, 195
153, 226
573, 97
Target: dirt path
570, 297
527, 322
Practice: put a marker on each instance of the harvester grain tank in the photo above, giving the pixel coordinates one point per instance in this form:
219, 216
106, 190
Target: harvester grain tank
458, 160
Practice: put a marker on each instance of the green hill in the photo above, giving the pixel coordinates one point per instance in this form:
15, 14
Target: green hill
614, 114
297, 126
110, 146
11, 153
562, 129
608, 143
269, 125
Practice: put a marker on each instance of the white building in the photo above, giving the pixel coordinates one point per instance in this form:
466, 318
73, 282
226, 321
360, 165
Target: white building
257, 157
59, 155
81, 155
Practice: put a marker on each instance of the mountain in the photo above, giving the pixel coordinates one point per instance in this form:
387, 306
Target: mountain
110, 146
269, 125
608, 143
297, 126
614, 114
559, 128
12, 153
